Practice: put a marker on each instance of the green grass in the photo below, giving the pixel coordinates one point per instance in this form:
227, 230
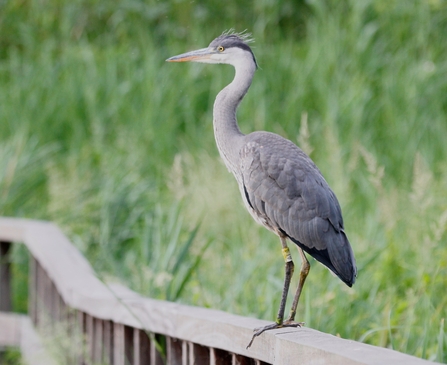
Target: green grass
101, 136
10, 356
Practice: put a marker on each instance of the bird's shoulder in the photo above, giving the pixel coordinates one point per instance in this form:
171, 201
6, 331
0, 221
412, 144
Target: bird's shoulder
279, 176
275, 155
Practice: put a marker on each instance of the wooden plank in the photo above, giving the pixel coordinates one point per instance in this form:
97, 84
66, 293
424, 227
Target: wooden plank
90, 337
81, 324
274, 347
108, 342
185, 353
118, 344
31, 347
156, 357
220, 357
63, 312
136, 346
32, 289
5, 277
123, 344
73, 334
142, 348
98, 338
55, 313
174, 353
198, 355
243, 360
10, 327
47, 298
80, 288
13, 229
17, 331
129, 344
39, 295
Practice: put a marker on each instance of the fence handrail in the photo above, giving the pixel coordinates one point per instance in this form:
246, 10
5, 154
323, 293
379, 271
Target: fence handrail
80, 289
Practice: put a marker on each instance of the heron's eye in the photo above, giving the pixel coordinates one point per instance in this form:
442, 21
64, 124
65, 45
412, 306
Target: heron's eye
220, 48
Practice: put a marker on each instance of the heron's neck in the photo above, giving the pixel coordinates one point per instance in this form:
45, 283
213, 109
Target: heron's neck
228, 136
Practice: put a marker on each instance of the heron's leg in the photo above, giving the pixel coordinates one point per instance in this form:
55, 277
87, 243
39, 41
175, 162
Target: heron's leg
289, 268
305, 268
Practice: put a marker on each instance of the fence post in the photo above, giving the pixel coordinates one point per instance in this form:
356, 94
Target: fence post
5, 277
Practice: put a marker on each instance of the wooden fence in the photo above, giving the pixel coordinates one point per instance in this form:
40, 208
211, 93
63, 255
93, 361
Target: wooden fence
110, 324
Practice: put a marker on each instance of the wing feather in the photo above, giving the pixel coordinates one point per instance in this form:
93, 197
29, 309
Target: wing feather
287, 193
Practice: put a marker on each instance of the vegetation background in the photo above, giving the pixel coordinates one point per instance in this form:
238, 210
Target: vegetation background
101, 136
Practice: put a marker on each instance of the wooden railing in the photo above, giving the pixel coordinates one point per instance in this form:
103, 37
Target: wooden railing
110, 324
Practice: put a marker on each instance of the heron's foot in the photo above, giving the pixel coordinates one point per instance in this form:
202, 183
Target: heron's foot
288, 323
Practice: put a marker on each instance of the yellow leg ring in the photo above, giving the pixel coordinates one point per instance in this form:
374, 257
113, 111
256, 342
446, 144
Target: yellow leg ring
286, 254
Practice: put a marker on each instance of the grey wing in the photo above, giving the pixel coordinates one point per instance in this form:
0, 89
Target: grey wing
286, 192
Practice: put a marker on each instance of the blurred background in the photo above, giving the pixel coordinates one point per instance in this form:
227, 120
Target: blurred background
100, 135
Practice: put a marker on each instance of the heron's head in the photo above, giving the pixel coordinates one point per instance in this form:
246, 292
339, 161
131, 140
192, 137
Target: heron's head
231, 48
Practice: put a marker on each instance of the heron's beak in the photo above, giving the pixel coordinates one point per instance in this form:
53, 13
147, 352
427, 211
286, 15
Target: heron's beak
200, 55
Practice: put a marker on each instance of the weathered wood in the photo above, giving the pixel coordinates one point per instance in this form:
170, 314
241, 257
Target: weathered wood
136, 347
33, 352
39, 295
174, 353
32, 290
43, 303
63, 265
63, 311
155, 356
118, 344
81, 324
98, 338
17, 331
220, 357
241, 360
49, 300
55, 313
198, 355
90, 337
73, 335
123, 344
10, 327
108, 342
141, 348
5, 277
129, 344
185, 353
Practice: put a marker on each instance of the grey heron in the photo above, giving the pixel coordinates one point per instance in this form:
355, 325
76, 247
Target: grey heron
280, 185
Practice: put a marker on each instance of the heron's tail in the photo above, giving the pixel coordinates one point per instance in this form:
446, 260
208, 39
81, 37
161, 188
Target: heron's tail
338, 256
342, 259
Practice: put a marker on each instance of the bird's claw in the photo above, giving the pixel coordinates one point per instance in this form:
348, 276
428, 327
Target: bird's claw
273, 326
258, 331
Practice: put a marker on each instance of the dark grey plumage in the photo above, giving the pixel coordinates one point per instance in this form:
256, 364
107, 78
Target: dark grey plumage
280, 185
287, 193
